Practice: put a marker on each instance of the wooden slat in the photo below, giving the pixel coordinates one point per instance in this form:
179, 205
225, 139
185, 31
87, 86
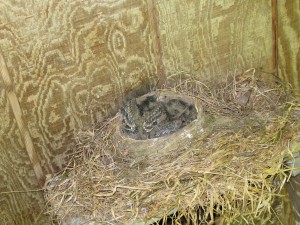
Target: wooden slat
16, 174
289, 43
211, 39
14, 103
155, 32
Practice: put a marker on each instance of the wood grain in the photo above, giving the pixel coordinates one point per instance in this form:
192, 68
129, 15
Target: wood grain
16, 174
73, 63
211, 39
17, 111
289, 43
153, 21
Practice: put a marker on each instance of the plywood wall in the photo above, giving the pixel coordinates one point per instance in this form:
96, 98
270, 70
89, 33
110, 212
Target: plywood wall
210, 39
289, 43
72, 63
20, 203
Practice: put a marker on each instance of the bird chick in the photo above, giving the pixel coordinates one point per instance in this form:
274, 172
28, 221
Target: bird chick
148, 104
176, 108
154, 117
130, 113
166, 127
188, 115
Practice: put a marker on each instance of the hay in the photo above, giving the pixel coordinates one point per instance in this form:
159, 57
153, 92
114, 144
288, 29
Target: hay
232, 167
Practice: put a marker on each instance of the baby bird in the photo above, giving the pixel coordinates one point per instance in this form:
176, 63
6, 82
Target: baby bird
150, 118
166, 127
130, 113
180, 110
189, 115
148, 104
154, 117
176, 108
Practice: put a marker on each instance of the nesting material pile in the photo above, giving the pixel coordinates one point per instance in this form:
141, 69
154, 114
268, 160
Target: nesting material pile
227, 162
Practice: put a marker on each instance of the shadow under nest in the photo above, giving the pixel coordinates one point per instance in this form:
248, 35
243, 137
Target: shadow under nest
223, 167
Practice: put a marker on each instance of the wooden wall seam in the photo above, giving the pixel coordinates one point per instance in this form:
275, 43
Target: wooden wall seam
17, 111
289, 44
275, 35
155, 34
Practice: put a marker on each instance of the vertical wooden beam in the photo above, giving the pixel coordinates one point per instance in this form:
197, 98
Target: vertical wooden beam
12, 97
21, 199
289, 43
275, 36
154, 29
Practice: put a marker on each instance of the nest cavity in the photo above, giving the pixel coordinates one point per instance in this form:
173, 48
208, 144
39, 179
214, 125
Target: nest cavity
156, 114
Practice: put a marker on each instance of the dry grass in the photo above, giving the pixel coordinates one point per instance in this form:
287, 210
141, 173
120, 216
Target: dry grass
233, 169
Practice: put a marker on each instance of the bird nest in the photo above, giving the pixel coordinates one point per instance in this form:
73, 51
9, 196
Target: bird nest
224, 166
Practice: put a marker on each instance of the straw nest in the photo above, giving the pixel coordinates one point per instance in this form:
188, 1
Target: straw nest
226, 164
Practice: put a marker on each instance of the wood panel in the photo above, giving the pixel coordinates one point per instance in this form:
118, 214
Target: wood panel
210, 39
16, 174
289, 43
72, 63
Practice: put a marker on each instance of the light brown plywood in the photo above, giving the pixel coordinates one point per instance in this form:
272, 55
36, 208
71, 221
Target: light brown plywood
18, 115
72, 63
289, 43
16, 174
210, 39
